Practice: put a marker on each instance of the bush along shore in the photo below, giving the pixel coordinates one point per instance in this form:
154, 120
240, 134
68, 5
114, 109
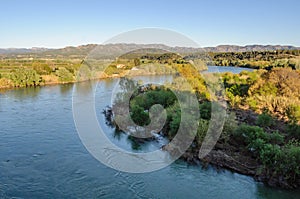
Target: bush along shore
26, 72
258, 140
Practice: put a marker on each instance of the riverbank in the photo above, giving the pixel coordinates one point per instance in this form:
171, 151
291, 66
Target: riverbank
231, 156
252, 143
48, 80
43, 155
45, 80
228, 157
39, 139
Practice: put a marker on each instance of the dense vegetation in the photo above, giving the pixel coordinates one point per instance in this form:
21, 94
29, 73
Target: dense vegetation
259, 60
271, 139
59, 66
276, 91
24, 72
30, 72
275, 95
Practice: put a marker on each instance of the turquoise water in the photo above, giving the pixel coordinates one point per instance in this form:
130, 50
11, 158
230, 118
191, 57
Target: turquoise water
41, 156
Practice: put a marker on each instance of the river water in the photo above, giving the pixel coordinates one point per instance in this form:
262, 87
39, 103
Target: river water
42, 156
222, 69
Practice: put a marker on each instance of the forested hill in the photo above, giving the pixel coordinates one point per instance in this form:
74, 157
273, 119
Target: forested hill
234, 48
110, 49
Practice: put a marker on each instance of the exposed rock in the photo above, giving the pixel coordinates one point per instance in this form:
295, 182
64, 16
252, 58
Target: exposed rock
221, 159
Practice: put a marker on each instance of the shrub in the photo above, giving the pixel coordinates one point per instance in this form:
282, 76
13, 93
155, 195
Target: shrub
276, 138
230, 126
139, 116
270, 156
205, 110
64, 75
42, 68
264, 120
294, 131
201, 131
6, 83
251, 133
173, 119
257, 145
252, 102
290, 161
174, 124
293, 113
25, 77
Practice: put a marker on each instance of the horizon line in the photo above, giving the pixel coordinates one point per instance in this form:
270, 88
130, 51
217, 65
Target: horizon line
212, 46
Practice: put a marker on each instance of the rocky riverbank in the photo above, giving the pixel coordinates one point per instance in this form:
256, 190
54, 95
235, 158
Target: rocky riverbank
239, 163
231, 155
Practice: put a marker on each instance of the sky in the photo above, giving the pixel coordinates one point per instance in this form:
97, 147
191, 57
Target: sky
60, 23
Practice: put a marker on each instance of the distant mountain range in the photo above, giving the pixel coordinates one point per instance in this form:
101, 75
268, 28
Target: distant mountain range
110, 49
234, 48
22, 50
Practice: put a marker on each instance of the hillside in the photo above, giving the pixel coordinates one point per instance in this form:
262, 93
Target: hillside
112, 49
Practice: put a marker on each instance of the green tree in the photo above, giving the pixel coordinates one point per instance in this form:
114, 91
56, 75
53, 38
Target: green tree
264, 120
139, 116
205, 110
64, 75
25, 77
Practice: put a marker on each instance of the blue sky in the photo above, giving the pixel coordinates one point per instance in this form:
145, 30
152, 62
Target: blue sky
59, 23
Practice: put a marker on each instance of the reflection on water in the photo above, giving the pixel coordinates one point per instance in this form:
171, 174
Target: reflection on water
41, 156
25, 93
66, 88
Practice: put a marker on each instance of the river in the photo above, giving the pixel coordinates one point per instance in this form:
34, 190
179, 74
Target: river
222, 69
42, 156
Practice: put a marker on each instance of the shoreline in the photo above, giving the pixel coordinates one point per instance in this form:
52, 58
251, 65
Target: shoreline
223, 156
105, 76
114, 76
229, 156
221, 160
